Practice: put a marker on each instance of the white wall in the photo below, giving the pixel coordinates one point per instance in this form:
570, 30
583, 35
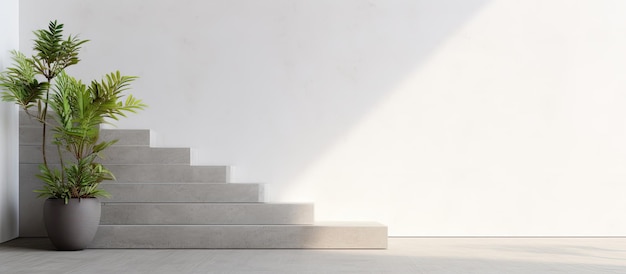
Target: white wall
454, 117
8, 128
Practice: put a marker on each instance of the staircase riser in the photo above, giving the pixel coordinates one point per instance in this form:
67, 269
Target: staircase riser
170, 173
371, 237
31, 224
205, 214
208, 193
114, 155
26, 121
150, 173
125, 137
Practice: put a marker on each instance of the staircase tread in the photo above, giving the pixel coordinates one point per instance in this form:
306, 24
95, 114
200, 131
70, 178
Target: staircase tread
104, 203
178, 165
175, 183
114, 145
317, 235
315, 224
168, 183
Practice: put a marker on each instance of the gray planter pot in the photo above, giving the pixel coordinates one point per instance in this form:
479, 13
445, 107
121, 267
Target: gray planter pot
71, 226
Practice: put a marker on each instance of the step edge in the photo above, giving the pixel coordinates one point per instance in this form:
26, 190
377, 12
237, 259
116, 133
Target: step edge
315, 224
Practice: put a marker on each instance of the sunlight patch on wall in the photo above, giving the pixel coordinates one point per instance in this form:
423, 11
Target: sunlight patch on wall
494, 135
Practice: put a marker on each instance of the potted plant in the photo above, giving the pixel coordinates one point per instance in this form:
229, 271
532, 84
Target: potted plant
39, 84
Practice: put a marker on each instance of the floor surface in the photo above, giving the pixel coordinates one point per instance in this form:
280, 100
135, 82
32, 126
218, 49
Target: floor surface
404, 255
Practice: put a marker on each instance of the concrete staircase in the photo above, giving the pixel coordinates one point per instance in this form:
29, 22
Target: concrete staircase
160, 200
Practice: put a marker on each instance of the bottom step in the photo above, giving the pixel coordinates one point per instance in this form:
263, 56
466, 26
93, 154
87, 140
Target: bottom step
320, 235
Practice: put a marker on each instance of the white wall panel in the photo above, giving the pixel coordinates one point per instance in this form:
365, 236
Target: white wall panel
9, 40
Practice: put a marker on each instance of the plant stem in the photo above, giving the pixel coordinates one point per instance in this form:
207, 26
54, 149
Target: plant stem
62, 165
44, 116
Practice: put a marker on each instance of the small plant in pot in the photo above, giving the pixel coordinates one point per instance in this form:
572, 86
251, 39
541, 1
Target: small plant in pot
74, 112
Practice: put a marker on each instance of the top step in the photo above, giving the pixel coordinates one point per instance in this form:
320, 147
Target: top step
27, 121
31, 136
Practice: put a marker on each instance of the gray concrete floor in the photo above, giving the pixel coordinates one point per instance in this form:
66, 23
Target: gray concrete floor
404, 255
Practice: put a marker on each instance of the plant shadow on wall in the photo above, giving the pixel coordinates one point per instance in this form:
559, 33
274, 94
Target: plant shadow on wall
39, 84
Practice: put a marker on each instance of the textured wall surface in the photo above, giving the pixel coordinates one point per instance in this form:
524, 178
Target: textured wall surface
453, 117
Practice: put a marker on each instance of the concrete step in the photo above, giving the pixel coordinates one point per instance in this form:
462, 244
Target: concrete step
31, 224
151, 173
126, 137
320, 235
170, 173
26, 121
184, 192
205, 213
137, 155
